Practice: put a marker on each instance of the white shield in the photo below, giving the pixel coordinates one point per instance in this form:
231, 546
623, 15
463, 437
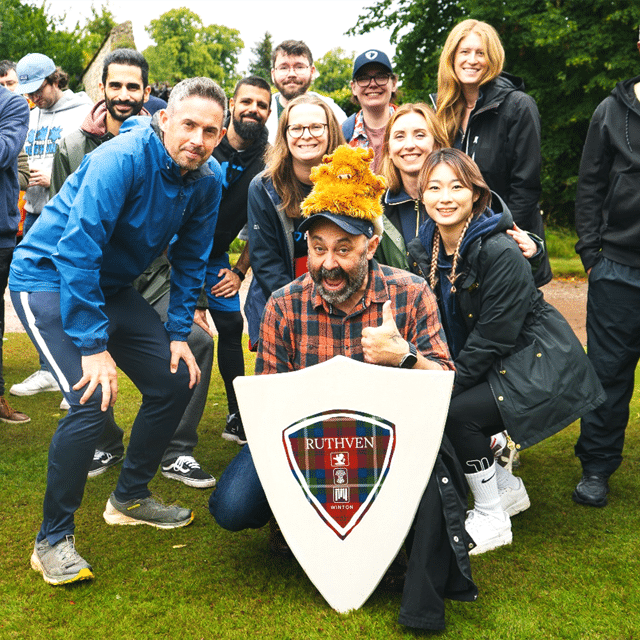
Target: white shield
344, 451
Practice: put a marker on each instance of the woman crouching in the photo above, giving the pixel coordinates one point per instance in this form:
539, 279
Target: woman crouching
519, 366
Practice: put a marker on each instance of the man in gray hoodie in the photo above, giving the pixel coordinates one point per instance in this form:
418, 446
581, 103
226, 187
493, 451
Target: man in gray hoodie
58, 112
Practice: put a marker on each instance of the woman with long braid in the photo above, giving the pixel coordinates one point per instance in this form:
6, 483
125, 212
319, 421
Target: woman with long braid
519, 365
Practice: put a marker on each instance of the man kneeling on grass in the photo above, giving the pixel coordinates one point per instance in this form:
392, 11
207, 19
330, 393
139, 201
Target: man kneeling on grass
390, 318
70, 284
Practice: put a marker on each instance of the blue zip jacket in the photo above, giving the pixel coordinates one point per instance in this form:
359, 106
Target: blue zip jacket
14, 122
118, 212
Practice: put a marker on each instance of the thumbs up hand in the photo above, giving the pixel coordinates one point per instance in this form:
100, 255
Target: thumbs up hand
383, 344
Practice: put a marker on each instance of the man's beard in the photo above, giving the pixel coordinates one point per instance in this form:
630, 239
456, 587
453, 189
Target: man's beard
289, 93
136, 108
353, 281
248, 129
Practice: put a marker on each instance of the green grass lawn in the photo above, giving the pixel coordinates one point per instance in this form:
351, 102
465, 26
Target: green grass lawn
571, 572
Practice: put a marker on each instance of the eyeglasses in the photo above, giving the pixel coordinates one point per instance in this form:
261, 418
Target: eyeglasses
381, 79
298, 70
36, 94
316, 129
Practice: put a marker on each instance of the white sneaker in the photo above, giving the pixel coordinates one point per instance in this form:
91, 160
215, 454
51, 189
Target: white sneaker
36, 383
488, 530
514, 501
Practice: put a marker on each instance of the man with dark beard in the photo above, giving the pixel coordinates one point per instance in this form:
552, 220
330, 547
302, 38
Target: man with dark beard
125, 76
348, 304
240, 155
292, 72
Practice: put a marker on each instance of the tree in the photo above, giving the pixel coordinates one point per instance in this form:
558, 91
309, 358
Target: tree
26, 28
260, 65
334, 74
96, 29
570, 53
185, 48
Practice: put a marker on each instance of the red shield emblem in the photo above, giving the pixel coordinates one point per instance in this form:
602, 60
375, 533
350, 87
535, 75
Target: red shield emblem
340, 459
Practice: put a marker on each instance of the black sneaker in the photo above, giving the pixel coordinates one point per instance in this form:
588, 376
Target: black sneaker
102, 461
592, 490
185, 469
234, 431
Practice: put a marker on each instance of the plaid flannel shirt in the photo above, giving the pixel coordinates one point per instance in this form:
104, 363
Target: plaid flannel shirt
300, 329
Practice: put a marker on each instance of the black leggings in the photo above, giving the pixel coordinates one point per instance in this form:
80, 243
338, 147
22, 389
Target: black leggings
230, 356
473, 418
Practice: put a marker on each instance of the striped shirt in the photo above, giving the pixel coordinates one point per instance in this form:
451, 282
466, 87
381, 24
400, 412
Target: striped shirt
300, 329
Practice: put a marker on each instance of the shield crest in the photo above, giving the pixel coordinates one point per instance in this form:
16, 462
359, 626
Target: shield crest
344, 451
340, 459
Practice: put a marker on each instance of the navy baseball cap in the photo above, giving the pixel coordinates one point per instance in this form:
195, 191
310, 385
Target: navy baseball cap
354, 226
372, 55
32, 71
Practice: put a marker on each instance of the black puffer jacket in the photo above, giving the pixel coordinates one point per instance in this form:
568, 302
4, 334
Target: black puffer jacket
537, 369
503, 138
608, 197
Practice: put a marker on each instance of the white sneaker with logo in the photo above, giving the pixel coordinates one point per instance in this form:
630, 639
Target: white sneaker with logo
488, 530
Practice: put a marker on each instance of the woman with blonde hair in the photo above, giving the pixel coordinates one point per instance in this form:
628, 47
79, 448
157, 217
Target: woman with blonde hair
412, 133
487, 114
307, 130
519, 366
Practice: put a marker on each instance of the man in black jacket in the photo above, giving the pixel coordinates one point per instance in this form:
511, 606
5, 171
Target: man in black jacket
608, 225
241, 156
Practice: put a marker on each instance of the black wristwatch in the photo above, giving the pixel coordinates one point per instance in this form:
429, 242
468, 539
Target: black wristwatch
238, 273
409, 361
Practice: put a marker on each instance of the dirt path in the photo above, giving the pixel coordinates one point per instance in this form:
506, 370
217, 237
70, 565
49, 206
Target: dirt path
568, 296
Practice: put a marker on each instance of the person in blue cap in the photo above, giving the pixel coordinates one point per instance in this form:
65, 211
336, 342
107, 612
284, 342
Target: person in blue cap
373, 87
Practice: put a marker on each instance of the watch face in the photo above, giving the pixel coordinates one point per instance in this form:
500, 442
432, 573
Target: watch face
409, 361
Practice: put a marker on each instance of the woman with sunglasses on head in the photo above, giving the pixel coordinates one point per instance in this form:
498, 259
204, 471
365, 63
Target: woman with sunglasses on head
518, 364
486, 113
307, 130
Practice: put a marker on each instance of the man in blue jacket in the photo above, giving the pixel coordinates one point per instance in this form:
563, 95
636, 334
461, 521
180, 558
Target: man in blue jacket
150, 187
14, 122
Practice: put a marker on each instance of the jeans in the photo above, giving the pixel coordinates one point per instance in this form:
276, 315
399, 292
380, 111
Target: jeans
239, 502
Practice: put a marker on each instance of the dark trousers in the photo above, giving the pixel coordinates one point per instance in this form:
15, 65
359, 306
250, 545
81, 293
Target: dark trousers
139, 344
613, 346
473, 418
5, 262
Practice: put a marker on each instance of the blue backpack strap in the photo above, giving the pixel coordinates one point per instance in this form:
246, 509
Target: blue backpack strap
348, 126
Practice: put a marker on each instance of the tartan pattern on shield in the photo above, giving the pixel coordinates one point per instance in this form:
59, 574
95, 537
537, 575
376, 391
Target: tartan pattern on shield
340, 458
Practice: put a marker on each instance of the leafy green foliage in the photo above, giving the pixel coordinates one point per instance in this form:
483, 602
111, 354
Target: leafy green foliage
26, 28
570, 53
185, 47
260, 65
96, 29
334, 75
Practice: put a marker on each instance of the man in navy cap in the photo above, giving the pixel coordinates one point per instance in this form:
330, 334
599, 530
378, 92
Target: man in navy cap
373, 87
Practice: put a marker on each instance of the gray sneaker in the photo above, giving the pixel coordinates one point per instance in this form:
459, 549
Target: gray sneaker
60, 564
146, 511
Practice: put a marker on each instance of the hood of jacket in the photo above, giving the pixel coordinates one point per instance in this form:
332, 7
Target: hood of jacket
489, 222
95, 123
69, 100
494, 93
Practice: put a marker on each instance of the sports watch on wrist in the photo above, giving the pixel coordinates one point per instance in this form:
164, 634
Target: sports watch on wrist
410, 359
238, 273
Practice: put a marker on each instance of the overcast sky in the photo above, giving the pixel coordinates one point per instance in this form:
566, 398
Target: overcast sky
320, 23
